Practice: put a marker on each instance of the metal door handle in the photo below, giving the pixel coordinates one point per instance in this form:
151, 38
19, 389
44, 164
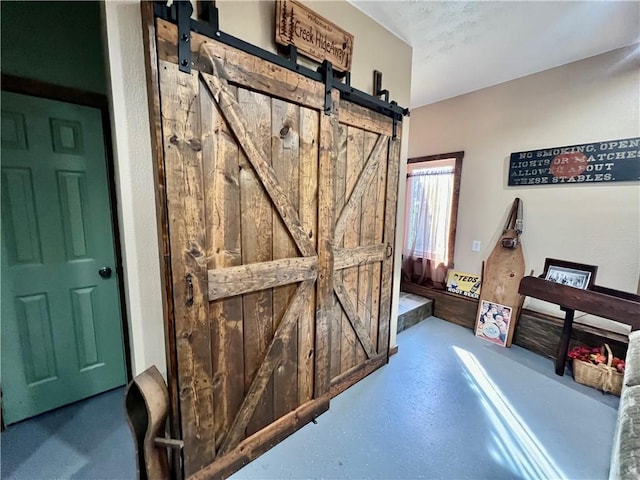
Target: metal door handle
105, 272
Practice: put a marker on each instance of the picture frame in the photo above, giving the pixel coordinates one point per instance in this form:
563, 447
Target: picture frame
576, 275
494, 322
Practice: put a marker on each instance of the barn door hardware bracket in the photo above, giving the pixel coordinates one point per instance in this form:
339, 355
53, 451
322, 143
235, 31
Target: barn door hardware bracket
377, 86
341, 81
184, 9
327, 76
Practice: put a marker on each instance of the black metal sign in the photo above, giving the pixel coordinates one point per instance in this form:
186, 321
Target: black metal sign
609, 161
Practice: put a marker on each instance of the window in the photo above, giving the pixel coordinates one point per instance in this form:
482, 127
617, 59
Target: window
433, 185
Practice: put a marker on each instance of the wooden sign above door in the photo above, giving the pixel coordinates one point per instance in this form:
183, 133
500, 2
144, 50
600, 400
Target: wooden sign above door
314, 36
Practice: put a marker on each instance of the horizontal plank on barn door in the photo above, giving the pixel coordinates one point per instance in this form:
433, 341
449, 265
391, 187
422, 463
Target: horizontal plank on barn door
281, 338
348, 212
256, 155
351, 257
241, 68
352, 314
365, 119
185, 203
227, 282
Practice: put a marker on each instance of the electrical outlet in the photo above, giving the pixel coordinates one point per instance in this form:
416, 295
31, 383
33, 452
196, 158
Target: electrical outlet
475, 246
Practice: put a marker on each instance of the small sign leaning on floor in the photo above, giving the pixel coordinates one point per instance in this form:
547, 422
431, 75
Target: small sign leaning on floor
465, 284
314, 36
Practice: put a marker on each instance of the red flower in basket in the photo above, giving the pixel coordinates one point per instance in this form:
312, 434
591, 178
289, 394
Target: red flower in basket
595, 356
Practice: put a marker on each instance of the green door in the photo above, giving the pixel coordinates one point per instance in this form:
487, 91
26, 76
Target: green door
61, 322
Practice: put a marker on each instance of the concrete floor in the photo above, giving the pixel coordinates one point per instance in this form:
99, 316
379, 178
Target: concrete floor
448, 405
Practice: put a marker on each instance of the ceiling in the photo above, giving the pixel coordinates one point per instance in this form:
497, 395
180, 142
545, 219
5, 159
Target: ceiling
459, 46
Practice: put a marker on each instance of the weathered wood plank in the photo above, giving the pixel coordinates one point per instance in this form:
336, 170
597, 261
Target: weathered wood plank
351, 210
241, 68
326, 223
607, 305
381, 196
367, 226
355, 374
340, 318
389, 240
280, 340
185, 199
262, 441
309, 140
227, 282
356, 116
220, 156
256, 218
256, 155
285, 158
354, 318
362, 255
355, 145
155, 119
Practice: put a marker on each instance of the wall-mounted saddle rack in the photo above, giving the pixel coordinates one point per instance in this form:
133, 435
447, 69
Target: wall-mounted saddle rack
180, 13
623, 307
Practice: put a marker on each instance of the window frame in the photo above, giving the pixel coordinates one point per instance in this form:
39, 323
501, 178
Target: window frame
457, 173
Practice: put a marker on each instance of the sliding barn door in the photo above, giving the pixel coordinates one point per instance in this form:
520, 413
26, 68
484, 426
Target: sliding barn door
365, 189
280, 224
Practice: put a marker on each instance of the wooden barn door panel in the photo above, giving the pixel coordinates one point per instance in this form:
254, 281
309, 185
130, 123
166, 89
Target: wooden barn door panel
279, 218
366, 174
243, 221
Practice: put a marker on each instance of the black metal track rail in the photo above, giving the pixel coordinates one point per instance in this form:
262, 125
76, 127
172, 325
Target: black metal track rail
181, 10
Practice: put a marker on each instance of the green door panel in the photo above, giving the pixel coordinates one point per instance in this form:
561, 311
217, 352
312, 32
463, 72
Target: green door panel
61, 323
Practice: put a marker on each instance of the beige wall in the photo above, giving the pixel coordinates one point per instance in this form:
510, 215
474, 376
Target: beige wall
375, 48
586, 101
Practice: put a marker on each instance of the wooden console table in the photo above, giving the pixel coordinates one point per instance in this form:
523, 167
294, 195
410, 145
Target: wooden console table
623, 307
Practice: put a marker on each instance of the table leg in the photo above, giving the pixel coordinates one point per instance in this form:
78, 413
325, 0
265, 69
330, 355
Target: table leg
563, 348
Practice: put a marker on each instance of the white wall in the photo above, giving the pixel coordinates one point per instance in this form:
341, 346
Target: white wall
134, 183
375, 48
587, 101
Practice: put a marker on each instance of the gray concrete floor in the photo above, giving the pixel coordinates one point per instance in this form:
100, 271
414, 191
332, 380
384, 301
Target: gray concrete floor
448, 405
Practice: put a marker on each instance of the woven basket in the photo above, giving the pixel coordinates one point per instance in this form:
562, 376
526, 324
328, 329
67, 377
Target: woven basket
603, 377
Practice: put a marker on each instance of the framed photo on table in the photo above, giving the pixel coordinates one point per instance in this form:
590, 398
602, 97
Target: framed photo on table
576, 275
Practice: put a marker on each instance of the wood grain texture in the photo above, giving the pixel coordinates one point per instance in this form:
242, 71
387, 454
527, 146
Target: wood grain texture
350, 347
339, 182
308, 210
326, 312
155, 122
393, 167
221, 163
256, 154
185, 200
354, 318
356, 116
611, 305
280, 340
227, 282
357, 373
285, 159
256, 218
240, 68
503, 270
364, 177
362, 255
262, 441
367, 228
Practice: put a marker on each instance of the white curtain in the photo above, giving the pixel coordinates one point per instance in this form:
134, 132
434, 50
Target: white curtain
428, 215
